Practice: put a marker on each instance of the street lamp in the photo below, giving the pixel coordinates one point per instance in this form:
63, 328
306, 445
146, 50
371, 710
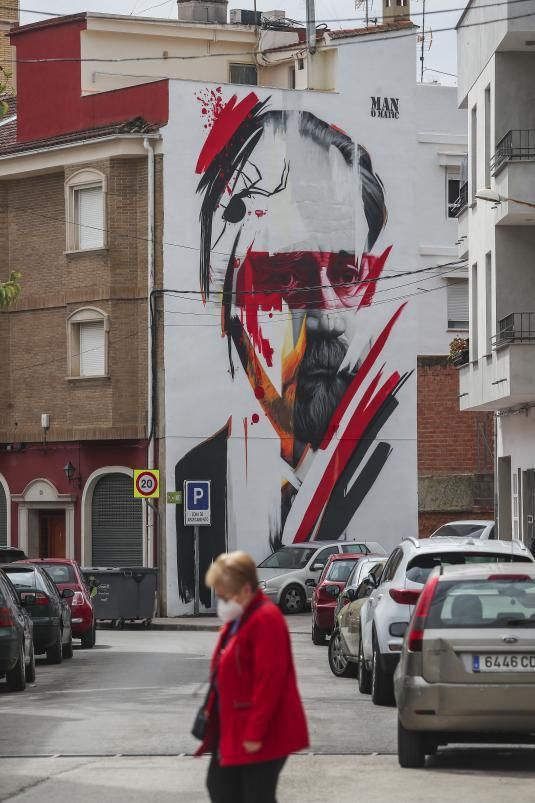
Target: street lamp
496, 198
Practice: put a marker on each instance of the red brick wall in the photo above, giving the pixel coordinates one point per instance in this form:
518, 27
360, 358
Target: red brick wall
448, 439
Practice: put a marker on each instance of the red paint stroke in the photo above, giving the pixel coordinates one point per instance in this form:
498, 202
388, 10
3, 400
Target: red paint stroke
372, 268
340, 130
251, 302
259, 392
360, 376
225, 126
260, 212
255, 418
361, 418
245, 435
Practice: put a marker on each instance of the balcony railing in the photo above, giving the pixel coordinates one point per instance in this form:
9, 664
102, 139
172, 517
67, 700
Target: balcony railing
462, 201
519, 327
516, 145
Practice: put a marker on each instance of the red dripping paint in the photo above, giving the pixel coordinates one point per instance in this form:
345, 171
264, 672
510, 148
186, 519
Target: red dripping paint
255, 418
260, 212
245, 434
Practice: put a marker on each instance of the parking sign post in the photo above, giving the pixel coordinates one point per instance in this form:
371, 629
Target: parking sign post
197, 513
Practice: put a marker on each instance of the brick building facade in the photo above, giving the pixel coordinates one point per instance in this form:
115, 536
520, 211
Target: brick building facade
9, 16
455, 451
75, 415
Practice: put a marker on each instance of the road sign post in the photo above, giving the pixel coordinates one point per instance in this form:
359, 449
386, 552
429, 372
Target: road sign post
197, 513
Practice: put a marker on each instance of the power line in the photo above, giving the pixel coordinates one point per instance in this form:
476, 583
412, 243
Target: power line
297, 47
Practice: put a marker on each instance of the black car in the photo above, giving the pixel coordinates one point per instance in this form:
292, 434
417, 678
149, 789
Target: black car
9, 554
48, 609
17, 659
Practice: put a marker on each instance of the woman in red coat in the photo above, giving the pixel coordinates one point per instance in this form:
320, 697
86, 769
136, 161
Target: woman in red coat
255, 714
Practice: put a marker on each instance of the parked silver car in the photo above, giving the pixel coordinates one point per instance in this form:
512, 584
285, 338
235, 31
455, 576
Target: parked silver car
289, 575
467, 668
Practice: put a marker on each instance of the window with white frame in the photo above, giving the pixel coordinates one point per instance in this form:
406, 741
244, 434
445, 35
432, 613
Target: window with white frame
457, 303
85, 206
87, 338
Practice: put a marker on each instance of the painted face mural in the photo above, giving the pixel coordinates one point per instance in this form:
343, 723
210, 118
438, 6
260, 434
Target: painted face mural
291, 210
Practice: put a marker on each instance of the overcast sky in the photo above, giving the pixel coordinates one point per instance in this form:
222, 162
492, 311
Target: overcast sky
338, 14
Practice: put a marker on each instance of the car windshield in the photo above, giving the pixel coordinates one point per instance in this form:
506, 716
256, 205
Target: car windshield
352, 548
339, 571
460, 531
484, 603
288, 557
60, 572
421, 566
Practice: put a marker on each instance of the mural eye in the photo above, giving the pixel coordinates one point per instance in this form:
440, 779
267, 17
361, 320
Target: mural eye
235, 210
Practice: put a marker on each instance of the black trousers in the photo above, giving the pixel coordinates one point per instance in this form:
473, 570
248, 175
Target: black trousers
245, 783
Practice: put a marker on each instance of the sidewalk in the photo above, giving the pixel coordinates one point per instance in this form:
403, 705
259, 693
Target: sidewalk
298, 623
310, 778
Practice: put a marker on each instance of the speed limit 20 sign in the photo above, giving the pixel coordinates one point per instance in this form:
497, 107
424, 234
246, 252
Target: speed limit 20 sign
146, 483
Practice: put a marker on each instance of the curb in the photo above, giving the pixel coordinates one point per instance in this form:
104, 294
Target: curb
185, 626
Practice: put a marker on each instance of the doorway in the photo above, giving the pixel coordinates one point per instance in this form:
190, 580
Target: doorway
51, 533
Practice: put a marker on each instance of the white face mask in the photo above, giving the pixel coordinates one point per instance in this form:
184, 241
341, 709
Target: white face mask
229, 610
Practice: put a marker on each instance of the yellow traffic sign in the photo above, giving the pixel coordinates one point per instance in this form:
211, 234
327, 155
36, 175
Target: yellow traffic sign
147, 483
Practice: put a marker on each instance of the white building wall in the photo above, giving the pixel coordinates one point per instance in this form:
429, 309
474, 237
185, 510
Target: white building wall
202, 397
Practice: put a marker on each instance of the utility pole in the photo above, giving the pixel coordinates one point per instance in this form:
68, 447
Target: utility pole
311, 27
423, 42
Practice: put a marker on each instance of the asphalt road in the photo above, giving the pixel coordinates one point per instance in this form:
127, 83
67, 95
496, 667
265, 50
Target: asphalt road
114, 723
137, 691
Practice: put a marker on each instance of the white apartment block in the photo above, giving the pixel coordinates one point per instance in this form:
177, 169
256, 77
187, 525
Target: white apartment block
496, 53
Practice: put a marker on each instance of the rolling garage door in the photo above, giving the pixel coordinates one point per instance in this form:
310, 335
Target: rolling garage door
3, 516
117, 523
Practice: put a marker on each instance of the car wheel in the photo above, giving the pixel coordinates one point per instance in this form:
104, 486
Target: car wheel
382, 682
54, 654
365, 676
293, 599
16, 677
339, 664
88, 638
30, 669
411, 748
318, 635
66, 650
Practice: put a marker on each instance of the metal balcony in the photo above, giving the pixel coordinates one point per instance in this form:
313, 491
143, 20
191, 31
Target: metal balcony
462, 201
517, 145
518, 327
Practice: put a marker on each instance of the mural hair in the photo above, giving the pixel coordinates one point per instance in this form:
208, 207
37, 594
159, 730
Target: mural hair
228, 164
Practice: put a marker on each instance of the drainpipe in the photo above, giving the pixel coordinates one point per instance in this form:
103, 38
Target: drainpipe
149, 513
311, 36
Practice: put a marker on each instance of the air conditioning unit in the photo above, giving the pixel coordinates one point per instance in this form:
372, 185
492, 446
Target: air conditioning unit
243, 16
273, 16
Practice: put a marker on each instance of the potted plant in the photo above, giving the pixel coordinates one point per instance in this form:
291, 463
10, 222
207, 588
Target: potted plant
459, 351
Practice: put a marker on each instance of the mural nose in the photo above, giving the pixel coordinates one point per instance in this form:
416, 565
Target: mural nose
325, 323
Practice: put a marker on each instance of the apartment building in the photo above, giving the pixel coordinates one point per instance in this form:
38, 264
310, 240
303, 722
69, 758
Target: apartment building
497, 230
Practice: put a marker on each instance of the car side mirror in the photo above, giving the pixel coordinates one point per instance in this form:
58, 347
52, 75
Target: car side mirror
67, 593
317, 567
370, 581
351, 594
333, 590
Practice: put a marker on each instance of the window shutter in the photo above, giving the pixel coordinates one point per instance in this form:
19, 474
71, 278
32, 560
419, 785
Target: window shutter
90, 217
92, 342
458, 304
117, 523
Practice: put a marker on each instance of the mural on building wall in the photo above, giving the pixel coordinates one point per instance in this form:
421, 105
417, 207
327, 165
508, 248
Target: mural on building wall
290, 211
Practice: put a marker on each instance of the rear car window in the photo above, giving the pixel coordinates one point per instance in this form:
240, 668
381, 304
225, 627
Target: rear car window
483, 603
339, 570
23, 578
460, 530
421, 566
60, 572
352, 548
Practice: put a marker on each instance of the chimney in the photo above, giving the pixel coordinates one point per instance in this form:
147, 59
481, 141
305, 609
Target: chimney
9, 16
203, 11
396, 10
